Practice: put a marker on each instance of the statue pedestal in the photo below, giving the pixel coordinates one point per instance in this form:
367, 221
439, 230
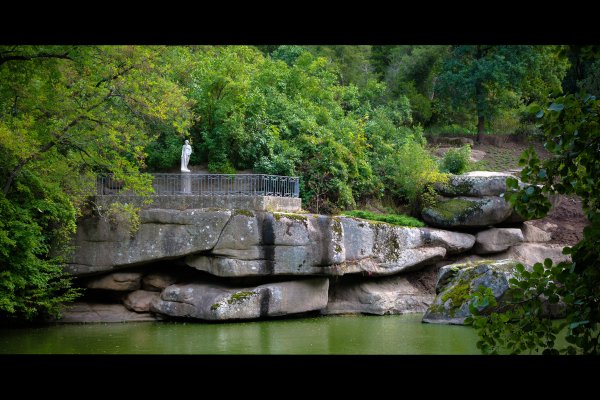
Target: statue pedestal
186, 182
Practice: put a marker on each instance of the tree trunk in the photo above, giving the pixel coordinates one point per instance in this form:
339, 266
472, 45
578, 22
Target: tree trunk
480, 105
480, 127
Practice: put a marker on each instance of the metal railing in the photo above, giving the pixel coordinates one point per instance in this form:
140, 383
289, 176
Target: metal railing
210, 185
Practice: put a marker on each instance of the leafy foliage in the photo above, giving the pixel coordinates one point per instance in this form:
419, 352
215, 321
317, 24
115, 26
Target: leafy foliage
488, 79
394, 219
291, 114
571, 133
456, 160
66, 114
532, 293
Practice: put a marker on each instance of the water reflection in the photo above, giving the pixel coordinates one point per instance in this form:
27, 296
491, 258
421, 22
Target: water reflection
394, 334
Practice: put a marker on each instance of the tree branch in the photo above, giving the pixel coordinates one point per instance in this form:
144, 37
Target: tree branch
60, 137
111, 78
6, 58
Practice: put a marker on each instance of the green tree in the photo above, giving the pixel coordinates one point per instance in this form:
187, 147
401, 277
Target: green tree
68, 113
486, 79
412, 72
353, 62
571, 129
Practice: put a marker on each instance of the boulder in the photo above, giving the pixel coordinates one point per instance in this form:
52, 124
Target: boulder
163, 234
387, 295
157, 281
525, 253
139, 301
531, 253
453, 242
210, 301
457, 281
91, 312
461, 212
532, 233
497, 239
118, 281
477, 155
475, 184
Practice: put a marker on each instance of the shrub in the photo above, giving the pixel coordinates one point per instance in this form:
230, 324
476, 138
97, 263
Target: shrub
450, 130
394, 219
456, 161
529, 129
410, 170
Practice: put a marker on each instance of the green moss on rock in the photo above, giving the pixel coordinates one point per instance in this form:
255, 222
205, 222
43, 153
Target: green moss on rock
246, 213
457, 296
454, 208
294, 217
458, 187
239, 297
337, 226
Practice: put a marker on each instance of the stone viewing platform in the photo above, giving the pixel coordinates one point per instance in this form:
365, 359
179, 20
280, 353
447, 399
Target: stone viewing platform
258, 192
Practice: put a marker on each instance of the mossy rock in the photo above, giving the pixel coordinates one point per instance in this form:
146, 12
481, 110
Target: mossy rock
291, 216
457, 282
467, 212
476, 183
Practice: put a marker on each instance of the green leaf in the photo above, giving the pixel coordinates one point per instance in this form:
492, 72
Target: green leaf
512, 183
577, 324
556, 107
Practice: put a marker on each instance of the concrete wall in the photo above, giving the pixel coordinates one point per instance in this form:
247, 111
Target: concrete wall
184, 202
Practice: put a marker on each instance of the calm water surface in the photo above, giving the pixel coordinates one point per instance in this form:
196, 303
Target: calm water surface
393, 334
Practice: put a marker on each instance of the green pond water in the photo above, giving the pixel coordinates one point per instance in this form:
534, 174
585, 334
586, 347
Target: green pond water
392, 334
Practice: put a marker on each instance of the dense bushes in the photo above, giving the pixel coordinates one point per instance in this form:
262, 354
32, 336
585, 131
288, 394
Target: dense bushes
456, 160
289, 114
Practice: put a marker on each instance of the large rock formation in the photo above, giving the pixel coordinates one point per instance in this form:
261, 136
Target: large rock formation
308, 244
456, 282
366, 261
246, 243
386, 295
471, 200
99, 312
211, 301
163, 234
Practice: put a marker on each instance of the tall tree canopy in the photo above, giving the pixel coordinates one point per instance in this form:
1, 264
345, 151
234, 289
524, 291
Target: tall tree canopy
68, 113
487, 79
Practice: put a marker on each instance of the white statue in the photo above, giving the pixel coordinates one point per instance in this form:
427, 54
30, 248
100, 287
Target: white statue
186, 150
